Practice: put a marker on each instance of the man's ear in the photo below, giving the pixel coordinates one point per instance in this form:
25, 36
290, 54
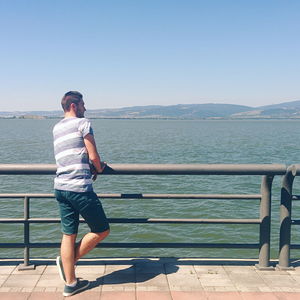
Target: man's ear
73, 107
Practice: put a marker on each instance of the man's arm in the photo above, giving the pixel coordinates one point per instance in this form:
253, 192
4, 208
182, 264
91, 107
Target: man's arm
94, 156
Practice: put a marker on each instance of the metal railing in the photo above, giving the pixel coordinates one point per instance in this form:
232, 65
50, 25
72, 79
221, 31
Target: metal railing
267, 171
286, 220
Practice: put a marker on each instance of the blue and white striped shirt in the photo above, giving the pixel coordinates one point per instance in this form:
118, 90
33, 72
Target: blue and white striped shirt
73, 170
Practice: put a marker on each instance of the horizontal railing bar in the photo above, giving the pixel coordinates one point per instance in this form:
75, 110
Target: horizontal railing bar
19, 195
142, 220
296, 197
295, 222
150, 196
156, 169
295, 246
139, 245
185, 221
16, 220
183, 196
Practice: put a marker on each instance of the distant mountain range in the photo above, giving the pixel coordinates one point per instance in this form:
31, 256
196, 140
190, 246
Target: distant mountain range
286, 110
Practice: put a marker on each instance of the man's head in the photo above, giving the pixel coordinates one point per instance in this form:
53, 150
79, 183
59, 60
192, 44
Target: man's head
72, 102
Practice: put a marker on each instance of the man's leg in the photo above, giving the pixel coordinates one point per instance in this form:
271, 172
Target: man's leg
67, 251
88, 243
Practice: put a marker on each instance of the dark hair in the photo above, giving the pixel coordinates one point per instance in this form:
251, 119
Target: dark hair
69, 98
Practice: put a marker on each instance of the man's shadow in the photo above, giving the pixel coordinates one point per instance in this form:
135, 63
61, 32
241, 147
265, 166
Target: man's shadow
141, 270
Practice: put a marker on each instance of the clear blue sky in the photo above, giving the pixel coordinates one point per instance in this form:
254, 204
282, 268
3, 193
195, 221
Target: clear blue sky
140, 52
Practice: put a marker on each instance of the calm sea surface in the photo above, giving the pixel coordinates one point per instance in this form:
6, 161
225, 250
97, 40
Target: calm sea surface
155, 141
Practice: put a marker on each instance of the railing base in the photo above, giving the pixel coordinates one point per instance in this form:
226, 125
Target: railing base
23, 267
270, 268
279, 268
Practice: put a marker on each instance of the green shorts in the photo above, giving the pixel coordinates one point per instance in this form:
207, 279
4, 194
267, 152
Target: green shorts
73, 204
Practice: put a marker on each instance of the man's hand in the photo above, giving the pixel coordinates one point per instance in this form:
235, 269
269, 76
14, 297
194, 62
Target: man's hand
94, 171
103, 165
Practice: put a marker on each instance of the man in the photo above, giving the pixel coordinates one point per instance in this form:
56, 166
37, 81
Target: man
78, 163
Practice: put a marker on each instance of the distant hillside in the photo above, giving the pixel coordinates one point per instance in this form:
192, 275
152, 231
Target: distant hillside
179, 111
289, 110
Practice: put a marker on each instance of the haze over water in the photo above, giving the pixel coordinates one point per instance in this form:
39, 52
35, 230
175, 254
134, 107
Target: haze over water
156, 141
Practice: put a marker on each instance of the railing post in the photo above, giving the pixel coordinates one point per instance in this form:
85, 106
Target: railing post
26, 265
285, 220
265, 226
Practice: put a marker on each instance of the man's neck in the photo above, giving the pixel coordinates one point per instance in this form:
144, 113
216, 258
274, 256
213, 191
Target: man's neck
70, 114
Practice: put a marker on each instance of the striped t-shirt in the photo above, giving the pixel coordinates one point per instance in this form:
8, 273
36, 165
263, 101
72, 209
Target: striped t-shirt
73, 170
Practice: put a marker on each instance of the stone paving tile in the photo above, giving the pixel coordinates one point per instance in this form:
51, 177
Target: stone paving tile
60, 289
145, 280
3, 279
179, 269
46, 296
259, 296
119, 268
295, 269
209, 270
27, 290
215, 280
290, 290
38, 289
209, 288
118, 288
279, 280
50, 270
50, 281
287, 296
141, 295
276, 289
85, 295
150, 267
14, 296
118, 277
247, 289
286, 289
21, 281
152, 282
16, 289
177, 295
6, 270
225, 289
117, 296
239, 269
224, 296
96, 270
296, 277
265, 289
277, 272
37, 271
51, 289
247, 281
182, 282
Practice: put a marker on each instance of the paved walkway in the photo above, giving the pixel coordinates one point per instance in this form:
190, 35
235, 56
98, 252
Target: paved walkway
153, 279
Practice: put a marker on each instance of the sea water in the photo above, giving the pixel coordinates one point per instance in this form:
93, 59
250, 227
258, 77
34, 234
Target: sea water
152, 142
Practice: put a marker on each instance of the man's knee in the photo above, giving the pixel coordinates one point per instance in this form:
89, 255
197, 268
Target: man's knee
69, 237
102, 235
